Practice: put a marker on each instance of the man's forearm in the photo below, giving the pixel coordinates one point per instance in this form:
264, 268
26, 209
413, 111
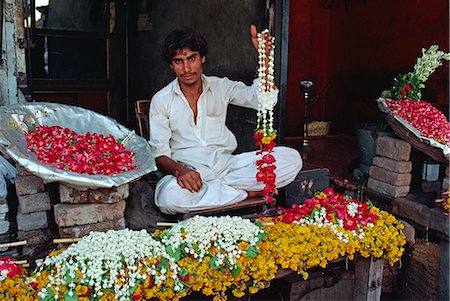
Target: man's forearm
186, 177
169, 166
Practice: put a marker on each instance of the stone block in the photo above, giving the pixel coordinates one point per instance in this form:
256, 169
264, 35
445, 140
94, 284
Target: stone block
83, 230
409, 232
393, 148
390, 177
102, 195
68, 215
446, 183
393, 165
4, 206
3, 216
34, 202
32, 221
22, 171
109, 195
388, 189
4, 238
35, 237
29, 185
4, 227
421, 214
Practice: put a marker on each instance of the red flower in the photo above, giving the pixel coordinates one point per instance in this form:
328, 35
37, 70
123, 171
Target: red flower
136, 297
87, 154
12, 268
268, 159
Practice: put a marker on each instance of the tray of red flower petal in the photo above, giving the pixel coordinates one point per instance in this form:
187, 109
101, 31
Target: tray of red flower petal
72, 145
420, 124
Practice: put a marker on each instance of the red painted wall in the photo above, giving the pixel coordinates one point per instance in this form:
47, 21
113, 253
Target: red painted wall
353, 49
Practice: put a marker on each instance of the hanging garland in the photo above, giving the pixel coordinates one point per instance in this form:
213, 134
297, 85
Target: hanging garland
265, 134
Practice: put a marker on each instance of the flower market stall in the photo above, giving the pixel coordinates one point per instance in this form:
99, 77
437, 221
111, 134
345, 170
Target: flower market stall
214, 256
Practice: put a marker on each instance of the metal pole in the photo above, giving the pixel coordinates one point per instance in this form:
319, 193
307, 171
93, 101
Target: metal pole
305, 86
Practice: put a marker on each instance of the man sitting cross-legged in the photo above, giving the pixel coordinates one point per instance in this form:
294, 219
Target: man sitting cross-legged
190, 140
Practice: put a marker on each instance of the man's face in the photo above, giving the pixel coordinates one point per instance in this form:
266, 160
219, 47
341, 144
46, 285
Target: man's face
188, 66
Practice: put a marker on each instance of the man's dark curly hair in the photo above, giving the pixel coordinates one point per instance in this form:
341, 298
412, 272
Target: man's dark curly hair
183, 37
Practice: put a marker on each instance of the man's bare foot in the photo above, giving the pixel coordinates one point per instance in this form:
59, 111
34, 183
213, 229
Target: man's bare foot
255, 194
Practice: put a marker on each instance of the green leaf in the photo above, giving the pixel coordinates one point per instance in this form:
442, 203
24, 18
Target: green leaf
181, 230
183, 272
119, 140
227, 262
67, 297
262, 236
49, 295
196, 248
259, 223
175, 254
31, 127
69, 278
252, 252
132, 289
236, 271
212, 263
163, 263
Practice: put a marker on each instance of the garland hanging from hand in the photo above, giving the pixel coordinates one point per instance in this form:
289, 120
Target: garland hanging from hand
265, 133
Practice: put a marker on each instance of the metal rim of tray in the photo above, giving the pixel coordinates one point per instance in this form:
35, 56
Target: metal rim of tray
401, 131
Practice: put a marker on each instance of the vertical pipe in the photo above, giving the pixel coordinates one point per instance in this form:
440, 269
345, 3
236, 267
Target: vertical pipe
281, 44
127, 96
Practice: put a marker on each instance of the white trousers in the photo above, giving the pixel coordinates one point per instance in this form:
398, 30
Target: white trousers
231, 188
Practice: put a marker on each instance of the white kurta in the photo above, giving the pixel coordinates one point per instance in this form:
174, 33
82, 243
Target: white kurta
207, 145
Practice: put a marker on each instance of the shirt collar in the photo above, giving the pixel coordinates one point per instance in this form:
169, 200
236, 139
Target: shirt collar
205, 85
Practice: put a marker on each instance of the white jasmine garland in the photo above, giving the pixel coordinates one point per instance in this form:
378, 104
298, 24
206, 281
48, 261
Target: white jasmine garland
103, 252
266, 94
223, 232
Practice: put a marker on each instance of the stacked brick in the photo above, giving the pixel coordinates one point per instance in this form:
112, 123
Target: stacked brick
32, 212
82, 211
390, 172
4, 222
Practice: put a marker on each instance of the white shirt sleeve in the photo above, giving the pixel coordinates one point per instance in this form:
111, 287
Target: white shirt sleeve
160, 132
246, 96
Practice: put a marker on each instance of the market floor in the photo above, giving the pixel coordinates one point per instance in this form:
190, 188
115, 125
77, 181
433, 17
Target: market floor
338, 153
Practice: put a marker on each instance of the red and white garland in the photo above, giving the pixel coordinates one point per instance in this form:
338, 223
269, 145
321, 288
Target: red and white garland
265, 133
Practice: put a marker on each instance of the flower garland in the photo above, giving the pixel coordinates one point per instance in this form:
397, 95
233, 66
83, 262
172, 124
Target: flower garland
214, 256
422, 116
265, 133
409, 85
90, 153
300, 237
12, 281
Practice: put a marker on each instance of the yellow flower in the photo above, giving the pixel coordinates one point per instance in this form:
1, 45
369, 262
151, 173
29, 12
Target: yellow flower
266, 140
81, 290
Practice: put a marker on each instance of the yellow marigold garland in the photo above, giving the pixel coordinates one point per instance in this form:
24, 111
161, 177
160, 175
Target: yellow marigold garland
293, 246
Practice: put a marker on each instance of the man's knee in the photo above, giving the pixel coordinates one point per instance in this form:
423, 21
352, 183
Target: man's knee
292, 157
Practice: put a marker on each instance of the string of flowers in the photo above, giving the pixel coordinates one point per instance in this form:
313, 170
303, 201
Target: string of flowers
265, 134
90, 153
331, 225
408, 86
214, 256
12, 281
